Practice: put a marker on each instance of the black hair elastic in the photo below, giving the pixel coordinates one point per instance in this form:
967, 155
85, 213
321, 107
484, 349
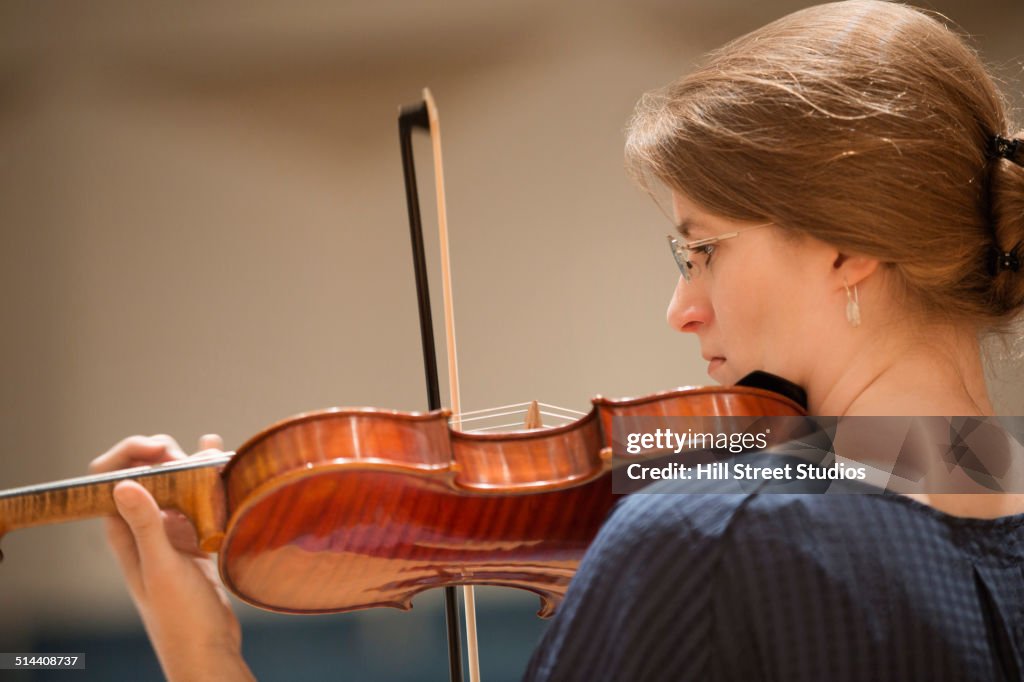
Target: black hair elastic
1006, 260
1004, 148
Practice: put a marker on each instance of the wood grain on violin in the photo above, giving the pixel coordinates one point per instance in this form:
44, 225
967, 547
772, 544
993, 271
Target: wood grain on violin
348, 509
190, 486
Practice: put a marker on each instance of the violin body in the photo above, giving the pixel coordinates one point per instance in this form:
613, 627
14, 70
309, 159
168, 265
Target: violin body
342, 510
356, 527
348, 509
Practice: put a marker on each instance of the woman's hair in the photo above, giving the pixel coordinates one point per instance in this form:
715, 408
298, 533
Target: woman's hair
868, 125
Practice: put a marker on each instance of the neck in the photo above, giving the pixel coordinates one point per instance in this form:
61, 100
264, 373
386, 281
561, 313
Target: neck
192, 486
939, 372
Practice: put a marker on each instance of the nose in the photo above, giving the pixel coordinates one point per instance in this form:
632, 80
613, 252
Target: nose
689, 308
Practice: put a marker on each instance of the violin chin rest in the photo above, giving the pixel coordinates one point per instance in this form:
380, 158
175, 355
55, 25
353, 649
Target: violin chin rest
771, 382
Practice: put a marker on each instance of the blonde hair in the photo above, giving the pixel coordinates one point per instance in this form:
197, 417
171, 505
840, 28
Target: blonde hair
867, 125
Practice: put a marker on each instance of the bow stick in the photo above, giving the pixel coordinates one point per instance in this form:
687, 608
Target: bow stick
424, 115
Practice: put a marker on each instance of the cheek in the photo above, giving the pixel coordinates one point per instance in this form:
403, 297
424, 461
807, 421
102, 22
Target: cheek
746, 294
768, 310
742, 315
796, 317
761, 316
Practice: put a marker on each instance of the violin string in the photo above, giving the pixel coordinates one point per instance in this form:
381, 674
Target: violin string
119, 475
562, 418
500, 407
489, 412
524, 405
502, 426
555, 415
566, 417
519, 425
563, 409
463, 420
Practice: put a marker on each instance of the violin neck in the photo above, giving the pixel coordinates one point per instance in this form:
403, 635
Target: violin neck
192, 487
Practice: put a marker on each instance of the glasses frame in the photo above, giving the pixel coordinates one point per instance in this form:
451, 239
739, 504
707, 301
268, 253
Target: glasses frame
682, 251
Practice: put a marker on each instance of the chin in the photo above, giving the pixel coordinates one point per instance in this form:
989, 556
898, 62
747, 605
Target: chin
728, 376
721, 374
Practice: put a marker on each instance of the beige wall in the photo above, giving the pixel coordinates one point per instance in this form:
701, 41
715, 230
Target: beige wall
204, 224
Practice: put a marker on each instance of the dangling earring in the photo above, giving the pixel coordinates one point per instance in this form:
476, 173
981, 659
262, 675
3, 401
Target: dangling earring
852, 305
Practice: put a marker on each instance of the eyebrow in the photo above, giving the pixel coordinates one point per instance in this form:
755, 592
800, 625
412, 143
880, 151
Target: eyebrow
684, 226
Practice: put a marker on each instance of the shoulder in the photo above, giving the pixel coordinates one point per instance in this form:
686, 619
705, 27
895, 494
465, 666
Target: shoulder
697, 509
668, 560
648, 539
653, 560
707, 514
788, 507
695, 523
661, 515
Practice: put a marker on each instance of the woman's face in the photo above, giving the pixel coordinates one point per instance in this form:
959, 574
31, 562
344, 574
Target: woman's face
765, 301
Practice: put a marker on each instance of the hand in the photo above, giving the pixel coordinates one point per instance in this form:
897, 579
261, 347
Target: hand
174, 585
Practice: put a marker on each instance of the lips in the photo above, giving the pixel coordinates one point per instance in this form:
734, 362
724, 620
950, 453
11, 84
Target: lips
714, 363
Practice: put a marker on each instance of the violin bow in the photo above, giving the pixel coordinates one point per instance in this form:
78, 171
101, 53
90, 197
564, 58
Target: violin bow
423, 115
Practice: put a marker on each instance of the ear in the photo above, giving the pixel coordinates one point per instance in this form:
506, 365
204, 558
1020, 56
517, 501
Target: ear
851, 269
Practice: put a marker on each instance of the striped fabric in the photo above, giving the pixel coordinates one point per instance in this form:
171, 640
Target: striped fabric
778, 586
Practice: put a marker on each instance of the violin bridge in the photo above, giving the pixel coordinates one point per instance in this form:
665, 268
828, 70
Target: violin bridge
533, 419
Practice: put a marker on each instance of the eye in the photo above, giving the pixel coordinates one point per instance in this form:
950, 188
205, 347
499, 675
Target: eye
706, 250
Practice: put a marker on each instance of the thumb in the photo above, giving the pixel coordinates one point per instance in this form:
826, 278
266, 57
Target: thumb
140, 511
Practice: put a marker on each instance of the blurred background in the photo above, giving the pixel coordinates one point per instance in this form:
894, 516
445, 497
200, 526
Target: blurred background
204, 230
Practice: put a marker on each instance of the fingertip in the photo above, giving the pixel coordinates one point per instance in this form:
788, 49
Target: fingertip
140, 511
211, 441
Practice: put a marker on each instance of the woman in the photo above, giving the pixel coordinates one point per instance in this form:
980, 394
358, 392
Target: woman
850, 199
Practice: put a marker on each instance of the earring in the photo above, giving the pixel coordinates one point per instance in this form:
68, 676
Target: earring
852, 305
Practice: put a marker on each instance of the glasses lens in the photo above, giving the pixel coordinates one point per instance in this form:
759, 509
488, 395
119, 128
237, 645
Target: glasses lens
682, 257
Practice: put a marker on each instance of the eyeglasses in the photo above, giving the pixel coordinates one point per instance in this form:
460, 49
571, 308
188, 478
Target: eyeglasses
683, 251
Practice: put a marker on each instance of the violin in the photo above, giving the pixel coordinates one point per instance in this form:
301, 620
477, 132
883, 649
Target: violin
354, 508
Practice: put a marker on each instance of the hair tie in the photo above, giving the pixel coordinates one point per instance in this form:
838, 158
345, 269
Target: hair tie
1004, 148
1006, 260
